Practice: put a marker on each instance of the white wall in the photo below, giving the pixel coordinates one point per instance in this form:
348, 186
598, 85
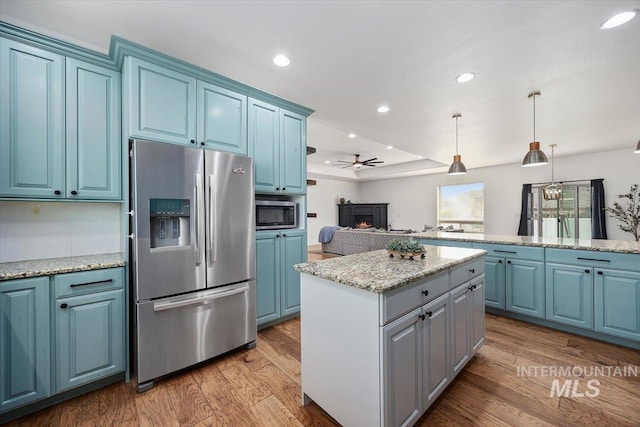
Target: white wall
34, 230
412, 200
322, 199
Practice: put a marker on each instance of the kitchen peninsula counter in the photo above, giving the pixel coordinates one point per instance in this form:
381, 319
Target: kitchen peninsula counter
398, 331
52, 266
617, 246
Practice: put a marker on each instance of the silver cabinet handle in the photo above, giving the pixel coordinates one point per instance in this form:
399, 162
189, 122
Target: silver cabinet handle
202, 300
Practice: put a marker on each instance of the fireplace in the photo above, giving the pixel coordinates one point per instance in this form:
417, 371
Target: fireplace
363, 215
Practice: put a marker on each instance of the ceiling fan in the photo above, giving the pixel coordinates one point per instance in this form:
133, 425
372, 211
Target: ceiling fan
359, 163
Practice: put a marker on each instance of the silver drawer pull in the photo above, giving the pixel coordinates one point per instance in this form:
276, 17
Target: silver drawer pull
75, 285
505, 252
594, 259
205, 299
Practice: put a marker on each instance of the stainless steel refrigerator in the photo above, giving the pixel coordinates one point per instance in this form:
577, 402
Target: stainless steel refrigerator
193, 256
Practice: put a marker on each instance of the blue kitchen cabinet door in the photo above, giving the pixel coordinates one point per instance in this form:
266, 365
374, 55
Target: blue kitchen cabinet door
524, 287
569, 295
402, 367
24, 342
93, 132
436, 348
617, 303
267, 276
161, 103
293, 251
264, 145
461, 313
222, 119
293, 153
89, 338
31, 122
494, 282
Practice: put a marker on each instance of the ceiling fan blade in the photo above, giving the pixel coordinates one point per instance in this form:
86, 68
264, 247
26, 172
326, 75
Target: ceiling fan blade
367, 164
342, 161
344, 167
379, 161
365, 161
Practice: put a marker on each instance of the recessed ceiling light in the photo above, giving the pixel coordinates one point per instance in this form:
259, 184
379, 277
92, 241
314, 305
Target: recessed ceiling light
327, 162
383, 109
352, 135
389, 147
466, 77
281, 60
419, 156
619, 19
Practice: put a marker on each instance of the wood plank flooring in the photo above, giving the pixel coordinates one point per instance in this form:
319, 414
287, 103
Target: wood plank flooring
261, 387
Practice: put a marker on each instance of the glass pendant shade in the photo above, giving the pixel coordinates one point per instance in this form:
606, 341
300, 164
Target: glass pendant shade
457, 167
637, 148
535, 156
552, 191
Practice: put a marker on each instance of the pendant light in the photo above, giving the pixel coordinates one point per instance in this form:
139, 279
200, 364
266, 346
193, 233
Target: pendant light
457, 167
637, 148
552, 191
535, 156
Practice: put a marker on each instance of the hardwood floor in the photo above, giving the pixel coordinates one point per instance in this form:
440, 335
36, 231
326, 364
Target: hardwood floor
261, 387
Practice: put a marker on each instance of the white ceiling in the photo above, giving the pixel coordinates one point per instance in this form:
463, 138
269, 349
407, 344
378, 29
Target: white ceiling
349, 57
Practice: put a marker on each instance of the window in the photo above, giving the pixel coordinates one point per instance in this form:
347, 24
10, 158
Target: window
462, 206
567, 217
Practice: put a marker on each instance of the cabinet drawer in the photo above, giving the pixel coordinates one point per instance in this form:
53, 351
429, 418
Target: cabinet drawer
512, 251
466, 272
396, 303
595, 259
85, 282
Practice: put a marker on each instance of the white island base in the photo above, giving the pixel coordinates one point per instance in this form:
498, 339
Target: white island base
381, 359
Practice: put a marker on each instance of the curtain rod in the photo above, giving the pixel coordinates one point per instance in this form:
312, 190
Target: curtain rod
564, 182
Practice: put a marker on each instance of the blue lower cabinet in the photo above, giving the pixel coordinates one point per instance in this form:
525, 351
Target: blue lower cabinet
494, 273
89, 338
24, 342
569, 295
278, 284
525, 287
268, 277
617, 303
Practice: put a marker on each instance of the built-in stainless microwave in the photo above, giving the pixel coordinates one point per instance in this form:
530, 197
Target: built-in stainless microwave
274, 214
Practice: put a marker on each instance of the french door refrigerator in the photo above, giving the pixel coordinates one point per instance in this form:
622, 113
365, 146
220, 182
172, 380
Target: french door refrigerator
193, 256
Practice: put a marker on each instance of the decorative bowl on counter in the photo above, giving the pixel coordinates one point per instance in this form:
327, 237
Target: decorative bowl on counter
405, 249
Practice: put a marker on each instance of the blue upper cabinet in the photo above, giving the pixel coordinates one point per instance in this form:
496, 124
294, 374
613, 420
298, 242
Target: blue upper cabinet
277, 142
222, 119
264, 145
162, 103
93, 132
32, 87
293, 153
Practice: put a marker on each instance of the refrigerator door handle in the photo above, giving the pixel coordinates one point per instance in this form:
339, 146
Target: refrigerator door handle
198, 221
213, 220
201, 300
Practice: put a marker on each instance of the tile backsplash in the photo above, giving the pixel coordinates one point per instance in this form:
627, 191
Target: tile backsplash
34, 230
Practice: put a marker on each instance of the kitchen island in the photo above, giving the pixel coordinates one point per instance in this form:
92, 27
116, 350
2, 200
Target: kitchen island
383, 337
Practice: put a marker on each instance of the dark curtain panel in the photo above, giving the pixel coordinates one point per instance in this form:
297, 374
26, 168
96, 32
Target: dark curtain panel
598, 213
525, 213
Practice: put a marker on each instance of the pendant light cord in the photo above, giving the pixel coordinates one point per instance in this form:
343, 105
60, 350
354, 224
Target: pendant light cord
553, 181
534, 117
457, 135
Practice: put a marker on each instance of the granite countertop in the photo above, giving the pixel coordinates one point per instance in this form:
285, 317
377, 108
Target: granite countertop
50, 266
375, 271
618, 246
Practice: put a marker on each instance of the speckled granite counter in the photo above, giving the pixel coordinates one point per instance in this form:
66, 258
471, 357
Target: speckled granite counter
375, 271
50, 266
618, 246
